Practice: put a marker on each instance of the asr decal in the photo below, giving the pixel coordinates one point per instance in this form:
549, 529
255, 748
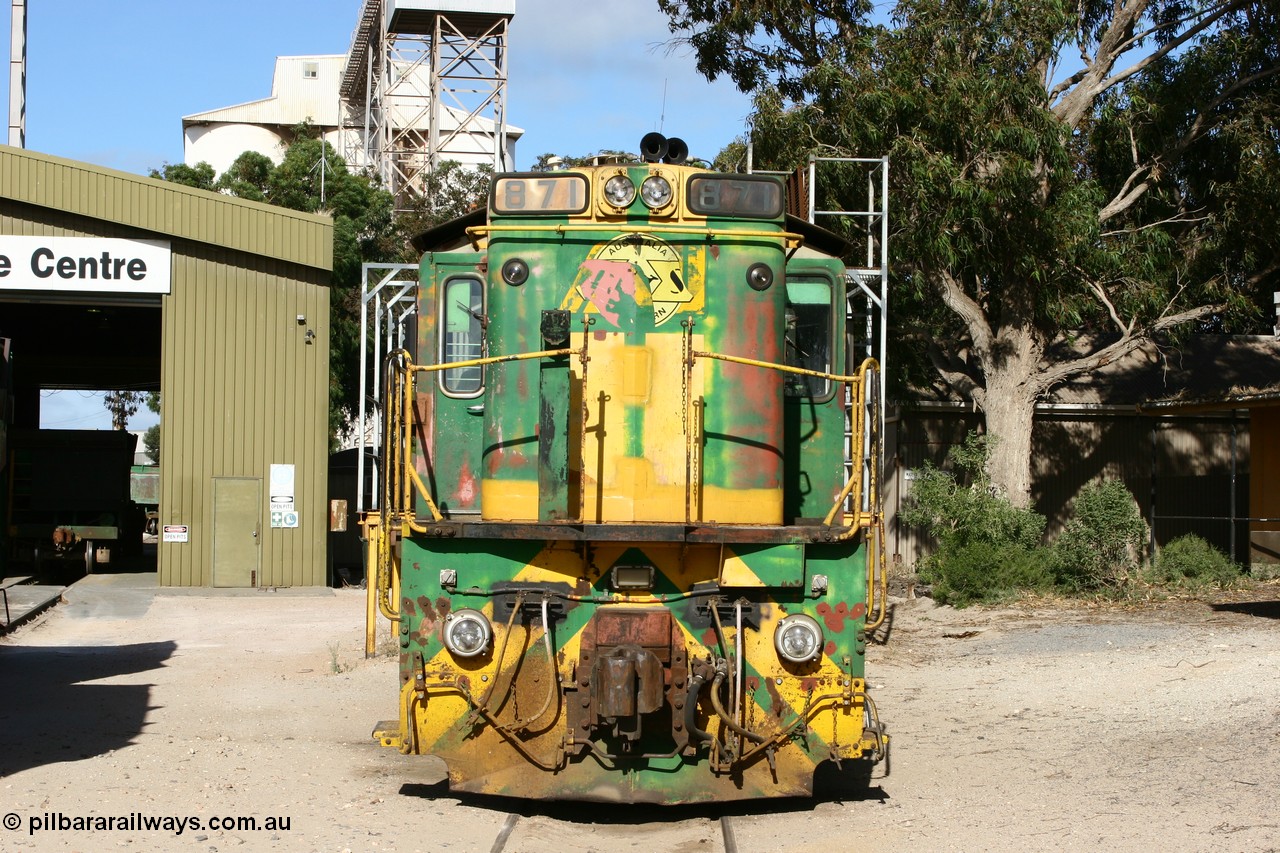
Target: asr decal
628, 271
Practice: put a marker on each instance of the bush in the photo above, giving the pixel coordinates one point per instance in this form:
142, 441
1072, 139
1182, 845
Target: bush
1101, 544
985, 572
1193, 563
988, 549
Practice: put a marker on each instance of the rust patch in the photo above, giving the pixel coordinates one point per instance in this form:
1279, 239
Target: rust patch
406, 606
834, 618
428, 616
858, 610
830, 648
636, 627
808, 684
708, 638
417, 567
467, 488
715, 251
776, 705
443, 606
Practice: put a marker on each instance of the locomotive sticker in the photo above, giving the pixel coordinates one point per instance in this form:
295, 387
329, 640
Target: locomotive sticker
626, 272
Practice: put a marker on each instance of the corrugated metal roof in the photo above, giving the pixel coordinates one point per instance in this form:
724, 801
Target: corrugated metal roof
165, 208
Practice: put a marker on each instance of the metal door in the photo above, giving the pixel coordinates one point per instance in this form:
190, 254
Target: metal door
237, 530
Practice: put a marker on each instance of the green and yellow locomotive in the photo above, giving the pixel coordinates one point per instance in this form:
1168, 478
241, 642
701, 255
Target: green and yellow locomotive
629, 529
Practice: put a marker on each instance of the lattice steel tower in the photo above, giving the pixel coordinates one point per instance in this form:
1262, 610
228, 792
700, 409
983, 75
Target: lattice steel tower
425, 81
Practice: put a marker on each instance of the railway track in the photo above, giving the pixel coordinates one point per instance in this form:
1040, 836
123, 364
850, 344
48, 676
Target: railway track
728, 839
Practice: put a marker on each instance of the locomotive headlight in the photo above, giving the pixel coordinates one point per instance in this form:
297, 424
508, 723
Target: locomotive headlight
759, 277
798, 639
467, 633
619, 191
655, 192
515, 272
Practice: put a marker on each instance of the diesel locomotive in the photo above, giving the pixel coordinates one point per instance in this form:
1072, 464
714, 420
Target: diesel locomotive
628, 529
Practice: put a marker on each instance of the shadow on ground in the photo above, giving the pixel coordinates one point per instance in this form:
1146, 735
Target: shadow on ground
52, 712
1263, 609
853, 783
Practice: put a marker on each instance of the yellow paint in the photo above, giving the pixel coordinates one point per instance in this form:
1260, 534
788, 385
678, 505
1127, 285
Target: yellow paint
508, 500
637, 374
736, 573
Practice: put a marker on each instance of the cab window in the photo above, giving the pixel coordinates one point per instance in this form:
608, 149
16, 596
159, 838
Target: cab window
462, 335
810, 334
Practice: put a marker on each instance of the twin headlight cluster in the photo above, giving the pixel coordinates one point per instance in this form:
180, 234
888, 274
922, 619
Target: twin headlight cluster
797, 639
655, 191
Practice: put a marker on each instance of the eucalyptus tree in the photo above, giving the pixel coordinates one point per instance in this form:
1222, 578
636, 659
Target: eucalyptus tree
1068, 179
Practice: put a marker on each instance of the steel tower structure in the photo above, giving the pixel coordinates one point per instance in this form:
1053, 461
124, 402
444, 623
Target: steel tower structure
444, 61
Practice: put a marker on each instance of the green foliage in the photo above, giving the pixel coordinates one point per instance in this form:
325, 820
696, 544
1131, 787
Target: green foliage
151, 442
452, 190
987, 548
1100, 546
985, 573
200, 176
1190, 562
248, 177
122, 405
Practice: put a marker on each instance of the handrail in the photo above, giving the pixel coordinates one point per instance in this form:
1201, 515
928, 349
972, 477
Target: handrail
478, 233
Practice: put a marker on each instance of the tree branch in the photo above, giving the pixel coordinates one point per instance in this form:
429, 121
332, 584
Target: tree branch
969, 312
1210, 18
958, 380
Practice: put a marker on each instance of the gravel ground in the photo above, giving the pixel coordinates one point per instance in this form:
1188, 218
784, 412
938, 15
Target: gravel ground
1024, 729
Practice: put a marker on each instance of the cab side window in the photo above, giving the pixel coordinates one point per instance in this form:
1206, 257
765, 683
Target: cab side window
462, 335
810, 335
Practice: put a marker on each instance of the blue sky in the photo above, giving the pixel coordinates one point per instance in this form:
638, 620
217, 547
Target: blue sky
109, 82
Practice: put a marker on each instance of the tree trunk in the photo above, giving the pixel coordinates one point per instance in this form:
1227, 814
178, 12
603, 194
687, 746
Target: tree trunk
1009, 419
1013, 385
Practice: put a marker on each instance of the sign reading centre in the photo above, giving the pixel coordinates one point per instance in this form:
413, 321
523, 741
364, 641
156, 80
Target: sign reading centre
100, 264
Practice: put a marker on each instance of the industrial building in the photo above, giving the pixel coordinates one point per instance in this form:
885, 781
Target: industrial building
112, 280
423, 82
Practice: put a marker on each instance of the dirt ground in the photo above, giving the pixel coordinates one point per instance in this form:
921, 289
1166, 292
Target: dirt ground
1023, 729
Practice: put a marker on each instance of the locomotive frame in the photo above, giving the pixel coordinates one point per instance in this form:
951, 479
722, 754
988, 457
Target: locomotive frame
615, 527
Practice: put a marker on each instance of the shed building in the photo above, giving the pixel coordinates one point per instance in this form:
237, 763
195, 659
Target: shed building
112, 280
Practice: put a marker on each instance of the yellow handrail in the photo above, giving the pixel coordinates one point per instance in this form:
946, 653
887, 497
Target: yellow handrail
478, 233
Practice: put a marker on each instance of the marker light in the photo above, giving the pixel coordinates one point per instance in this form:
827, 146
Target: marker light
798, 639
655, 192
467, 633
619, 191
515, 272
759, 277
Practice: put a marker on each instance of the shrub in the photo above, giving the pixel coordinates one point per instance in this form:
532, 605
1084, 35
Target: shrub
987, 548
1101, 544
985, 572
1191, 562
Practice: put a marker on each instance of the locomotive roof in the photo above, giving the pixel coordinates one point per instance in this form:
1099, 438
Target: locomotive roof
451, 235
